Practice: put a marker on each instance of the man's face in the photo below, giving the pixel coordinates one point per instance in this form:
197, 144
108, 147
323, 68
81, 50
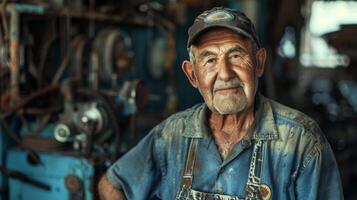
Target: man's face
225, 70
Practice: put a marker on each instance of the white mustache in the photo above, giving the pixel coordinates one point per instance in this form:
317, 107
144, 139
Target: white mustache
219, 84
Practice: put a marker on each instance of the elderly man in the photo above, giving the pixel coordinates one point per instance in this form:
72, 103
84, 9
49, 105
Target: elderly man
239, 144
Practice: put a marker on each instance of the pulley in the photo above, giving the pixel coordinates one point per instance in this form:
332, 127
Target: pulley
112, 48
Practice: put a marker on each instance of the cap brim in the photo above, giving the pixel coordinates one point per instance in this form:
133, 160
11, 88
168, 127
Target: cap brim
238, 30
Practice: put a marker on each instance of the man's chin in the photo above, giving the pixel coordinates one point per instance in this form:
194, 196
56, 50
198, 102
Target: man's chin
226, 108
227, 111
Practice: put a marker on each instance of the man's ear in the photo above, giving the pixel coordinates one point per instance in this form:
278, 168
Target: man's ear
187, 67
260, 57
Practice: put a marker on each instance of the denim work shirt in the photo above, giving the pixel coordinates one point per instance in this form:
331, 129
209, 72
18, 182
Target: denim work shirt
298, 162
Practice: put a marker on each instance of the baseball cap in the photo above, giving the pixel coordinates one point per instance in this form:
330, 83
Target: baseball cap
222, 17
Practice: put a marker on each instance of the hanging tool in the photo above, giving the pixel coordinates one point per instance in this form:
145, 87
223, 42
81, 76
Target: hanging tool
24, 178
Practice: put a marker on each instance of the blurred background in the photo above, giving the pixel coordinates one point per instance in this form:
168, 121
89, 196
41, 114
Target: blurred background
82, 81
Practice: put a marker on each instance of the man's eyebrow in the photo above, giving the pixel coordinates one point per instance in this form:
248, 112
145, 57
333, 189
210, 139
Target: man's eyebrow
206, 53
236, 48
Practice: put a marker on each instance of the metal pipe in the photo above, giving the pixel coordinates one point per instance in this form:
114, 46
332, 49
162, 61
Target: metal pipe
14, 10
14, 57
25, 8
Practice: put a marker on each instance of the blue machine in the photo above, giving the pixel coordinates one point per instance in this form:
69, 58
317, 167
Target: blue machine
57, 176
86, 129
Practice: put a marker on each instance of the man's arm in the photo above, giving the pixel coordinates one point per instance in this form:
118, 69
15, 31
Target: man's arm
108, 192
135, 175
320, 178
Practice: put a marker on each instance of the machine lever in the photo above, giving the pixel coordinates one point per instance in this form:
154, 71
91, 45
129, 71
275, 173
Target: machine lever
22, 177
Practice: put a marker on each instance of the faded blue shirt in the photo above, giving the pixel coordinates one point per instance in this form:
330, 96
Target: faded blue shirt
298, 162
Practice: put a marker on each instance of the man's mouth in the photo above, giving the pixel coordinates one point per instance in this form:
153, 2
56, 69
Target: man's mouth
227, 89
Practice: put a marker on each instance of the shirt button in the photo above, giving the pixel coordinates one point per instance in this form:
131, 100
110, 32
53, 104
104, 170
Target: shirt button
221, 170
221, 191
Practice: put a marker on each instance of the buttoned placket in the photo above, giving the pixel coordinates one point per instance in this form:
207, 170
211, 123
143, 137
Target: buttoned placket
211, 148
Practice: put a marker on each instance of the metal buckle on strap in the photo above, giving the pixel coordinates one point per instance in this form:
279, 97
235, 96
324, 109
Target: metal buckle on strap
190, 165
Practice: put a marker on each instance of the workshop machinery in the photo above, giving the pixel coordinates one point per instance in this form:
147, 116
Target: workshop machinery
70, 91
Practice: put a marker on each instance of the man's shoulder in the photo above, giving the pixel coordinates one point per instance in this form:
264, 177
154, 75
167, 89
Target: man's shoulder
300, 137
179, 122
188, 113
297, 122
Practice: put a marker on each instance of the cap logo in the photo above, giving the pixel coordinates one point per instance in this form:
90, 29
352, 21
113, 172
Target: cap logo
219, 16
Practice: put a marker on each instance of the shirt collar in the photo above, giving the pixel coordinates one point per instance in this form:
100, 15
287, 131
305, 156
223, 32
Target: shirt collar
196, 123
264, 125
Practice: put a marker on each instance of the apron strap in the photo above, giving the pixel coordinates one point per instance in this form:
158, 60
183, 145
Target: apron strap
255, 169
252, 185
190, 164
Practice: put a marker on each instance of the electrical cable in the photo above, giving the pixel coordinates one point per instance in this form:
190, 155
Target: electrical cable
60, 70
44, 54
33, 96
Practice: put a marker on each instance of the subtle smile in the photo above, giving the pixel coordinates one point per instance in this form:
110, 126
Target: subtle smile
227, 89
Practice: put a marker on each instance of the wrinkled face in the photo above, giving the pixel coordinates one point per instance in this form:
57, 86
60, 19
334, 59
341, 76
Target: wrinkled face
225, 70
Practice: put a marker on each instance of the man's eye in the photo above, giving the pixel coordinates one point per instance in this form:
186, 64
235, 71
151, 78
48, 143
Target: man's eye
235, 57
211, 60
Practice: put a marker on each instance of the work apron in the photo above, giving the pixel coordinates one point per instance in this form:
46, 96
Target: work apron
253, 184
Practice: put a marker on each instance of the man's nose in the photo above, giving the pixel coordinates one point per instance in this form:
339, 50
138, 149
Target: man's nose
225, 72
